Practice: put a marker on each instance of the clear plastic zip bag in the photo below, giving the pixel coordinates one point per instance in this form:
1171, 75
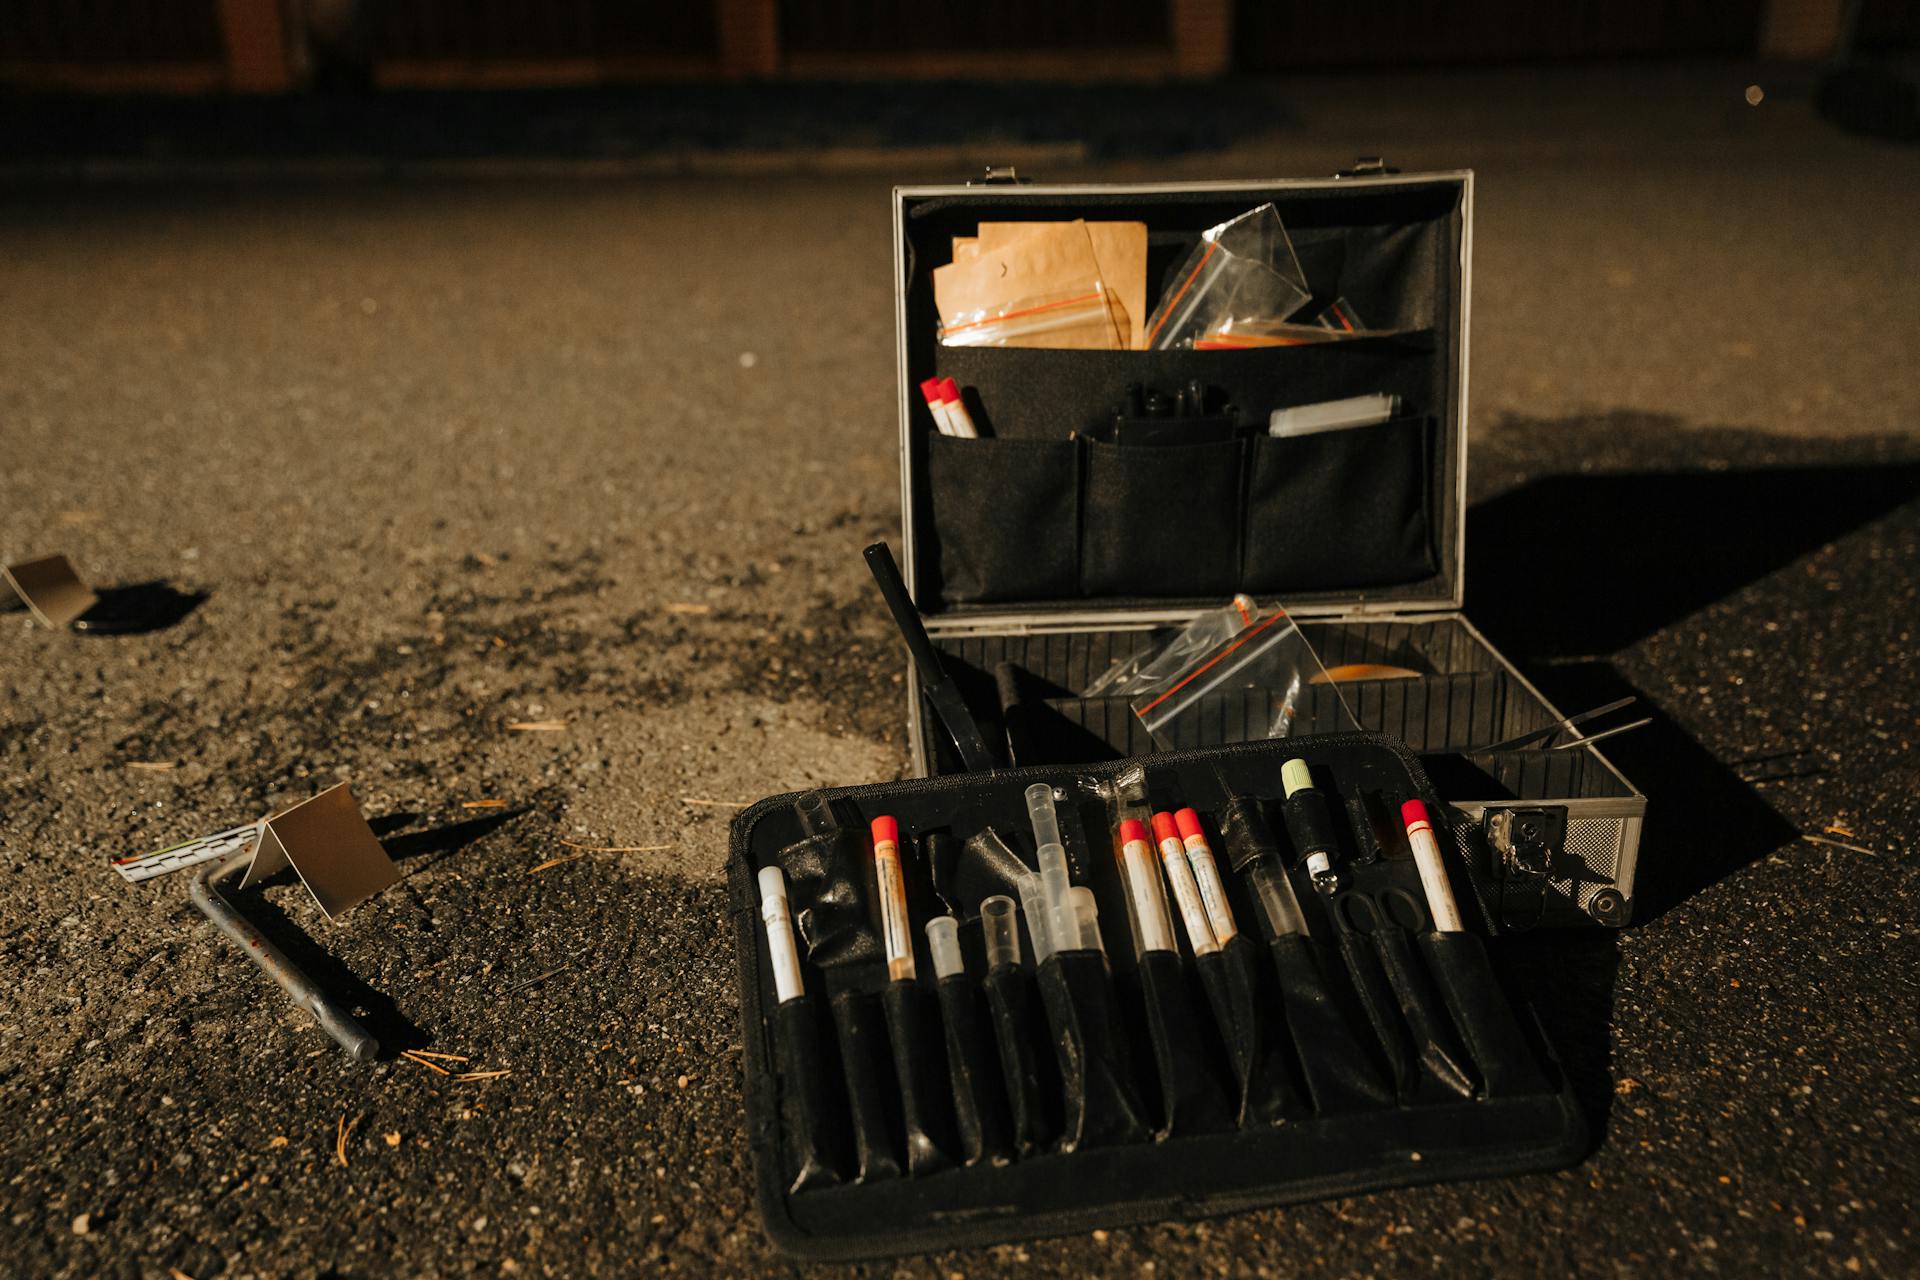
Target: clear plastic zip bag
1241, 272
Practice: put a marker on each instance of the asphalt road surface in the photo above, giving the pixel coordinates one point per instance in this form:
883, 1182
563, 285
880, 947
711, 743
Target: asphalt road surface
425, 458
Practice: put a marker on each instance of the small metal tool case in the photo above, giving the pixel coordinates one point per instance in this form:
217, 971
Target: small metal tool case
1347, 1046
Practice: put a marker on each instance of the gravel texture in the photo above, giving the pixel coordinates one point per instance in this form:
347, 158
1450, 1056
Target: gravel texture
440, 457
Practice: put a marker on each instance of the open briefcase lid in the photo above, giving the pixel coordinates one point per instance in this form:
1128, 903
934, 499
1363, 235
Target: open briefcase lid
1035, 527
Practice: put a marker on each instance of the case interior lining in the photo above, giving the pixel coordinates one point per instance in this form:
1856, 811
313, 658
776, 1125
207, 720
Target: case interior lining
1393, 252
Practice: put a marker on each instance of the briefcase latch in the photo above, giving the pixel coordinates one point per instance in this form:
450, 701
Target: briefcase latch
1000, 175
1367, 167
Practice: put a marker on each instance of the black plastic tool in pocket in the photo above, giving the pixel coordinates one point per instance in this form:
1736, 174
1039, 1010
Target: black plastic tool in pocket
861, 1031
1161, 520
980, 1117
1341, 1075
1499, 1048
1017, 1030
918, 1058
809, 1117
1006, 517
1100, 1105
1193, 1095
1341, 508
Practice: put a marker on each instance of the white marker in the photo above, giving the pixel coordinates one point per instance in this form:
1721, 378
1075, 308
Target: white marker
1433, 872
1186, 892
779, 921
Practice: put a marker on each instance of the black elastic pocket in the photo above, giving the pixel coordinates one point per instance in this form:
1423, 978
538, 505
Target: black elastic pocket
1193, 1097
1341, 508
1340, 1074
1006, 517
917, 1068
1441, 1059
1256, 1054
1506, 1061
809, 1119
1161, 520
1381, 1007
979, 1099
1017, 1029
1100, 1104
827, 885
862, 1034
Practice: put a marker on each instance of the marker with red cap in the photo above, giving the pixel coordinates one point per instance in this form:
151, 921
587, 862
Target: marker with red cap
957, 414
1186, 893
1206, 874
1144, 895
937, 406
1433, 871
894, 926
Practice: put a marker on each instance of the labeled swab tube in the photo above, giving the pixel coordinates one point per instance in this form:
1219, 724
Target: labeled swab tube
1000, 927
1206, 874
894, 926
1186, 892
943, 939
778, 917
1433, 871
1146, 893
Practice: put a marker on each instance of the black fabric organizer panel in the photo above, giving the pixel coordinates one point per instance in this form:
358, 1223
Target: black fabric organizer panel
1027, 517
1383, 1054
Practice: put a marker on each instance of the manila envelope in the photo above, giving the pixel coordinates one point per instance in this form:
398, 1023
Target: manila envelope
1121, 250
1051, 263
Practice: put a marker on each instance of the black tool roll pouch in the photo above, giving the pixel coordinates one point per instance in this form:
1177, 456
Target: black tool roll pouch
1494, 1039
1099, 1104
1017, 1030
973, 1068
1006, 517
1161, 520
1295, 1099
1188, 1065
1344, 508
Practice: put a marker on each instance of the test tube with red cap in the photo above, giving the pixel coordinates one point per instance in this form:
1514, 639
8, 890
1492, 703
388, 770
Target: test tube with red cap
930, 390
1145, 896
957, 414
894, 926
1433, 871
1206, 874
1186, 891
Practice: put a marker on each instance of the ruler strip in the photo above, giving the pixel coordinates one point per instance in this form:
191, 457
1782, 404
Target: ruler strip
145, 866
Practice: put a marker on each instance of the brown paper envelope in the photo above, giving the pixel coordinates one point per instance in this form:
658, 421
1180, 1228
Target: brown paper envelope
1121, 250
1053, 261
965, 247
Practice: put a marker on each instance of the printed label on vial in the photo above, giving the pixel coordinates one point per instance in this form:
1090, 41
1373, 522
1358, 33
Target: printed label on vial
893, 905
1212, 892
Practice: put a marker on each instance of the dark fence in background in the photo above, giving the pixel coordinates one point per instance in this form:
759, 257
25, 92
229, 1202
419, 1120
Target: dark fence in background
1282, 37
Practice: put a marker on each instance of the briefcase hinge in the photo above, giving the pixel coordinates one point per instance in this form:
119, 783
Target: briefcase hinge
1000, 175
